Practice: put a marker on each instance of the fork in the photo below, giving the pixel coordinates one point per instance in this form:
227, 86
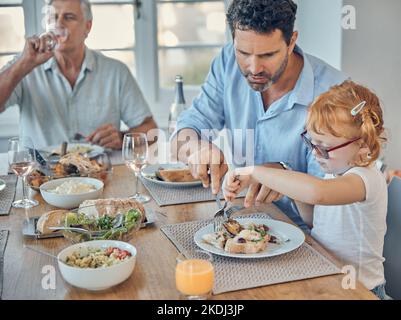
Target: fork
232, 210
219, 215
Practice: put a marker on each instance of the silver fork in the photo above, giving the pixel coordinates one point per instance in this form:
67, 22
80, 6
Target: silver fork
230, 211
219, 215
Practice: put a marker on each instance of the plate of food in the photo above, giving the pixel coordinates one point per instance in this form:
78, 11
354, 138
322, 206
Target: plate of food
2, 185
39, 227
170, 175
105, 219
90, 150
73, 165
250, 238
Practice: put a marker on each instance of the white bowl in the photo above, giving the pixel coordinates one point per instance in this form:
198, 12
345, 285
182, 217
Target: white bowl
101, 278
68, 201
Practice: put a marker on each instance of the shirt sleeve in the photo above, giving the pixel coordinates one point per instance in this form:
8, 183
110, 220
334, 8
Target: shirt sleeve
16, 95
207, 109
313, 168
134, 108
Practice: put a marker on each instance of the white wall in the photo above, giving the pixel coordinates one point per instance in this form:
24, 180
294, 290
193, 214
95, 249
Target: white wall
320, 32
372, 56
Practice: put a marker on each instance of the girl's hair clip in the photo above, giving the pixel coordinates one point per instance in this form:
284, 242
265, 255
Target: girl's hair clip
358, 108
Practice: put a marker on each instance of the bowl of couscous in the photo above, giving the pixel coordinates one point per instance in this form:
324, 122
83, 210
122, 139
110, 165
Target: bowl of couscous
97, 265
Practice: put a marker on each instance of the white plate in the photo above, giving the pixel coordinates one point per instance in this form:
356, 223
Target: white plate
2, 185
279, 229
95, 150
149, 174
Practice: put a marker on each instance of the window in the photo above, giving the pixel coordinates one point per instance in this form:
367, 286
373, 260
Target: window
156, 39
113, 30
12, 29
190, 33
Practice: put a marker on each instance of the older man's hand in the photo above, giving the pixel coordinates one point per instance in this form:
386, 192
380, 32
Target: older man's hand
107, 136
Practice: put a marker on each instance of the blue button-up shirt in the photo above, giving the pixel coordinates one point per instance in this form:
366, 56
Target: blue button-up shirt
227, 101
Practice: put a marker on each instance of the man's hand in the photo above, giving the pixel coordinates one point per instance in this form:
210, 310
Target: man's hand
36, 52
107, 136
207, 164
235, 181
258, 194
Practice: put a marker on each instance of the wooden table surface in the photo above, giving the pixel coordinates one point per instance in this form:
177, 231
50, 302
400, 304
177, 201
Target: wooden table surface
153, 276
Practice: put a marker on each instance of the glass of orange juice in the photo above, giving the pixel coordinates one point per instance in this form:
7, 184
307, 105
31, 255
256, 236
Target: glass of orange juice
194, 276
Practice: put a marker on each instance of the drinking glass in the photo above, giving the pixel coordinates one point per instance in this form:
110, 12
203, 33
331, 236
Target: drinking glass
55, 37
135, 154
194, 277
55, 34
21, 158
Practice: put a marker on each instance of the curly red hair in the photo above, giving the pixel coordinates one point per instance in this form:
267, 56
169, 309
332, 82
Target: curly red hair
331, 113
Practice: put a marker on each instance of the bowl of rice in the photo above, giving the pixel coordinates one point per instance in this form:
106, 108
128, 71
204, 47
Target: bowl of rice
69, 193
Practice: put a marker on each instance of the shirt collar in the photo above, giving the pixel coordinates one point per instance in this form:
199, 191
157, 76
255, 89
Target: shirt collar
303, 92
88, 64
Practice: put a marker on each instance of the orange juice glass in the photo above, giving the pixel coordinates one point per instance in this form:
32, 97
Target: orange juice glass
194, 276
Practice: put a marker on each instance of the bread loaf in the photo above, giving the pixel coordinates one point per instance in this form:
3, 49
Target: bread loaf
111, 207
176, 175
54, 218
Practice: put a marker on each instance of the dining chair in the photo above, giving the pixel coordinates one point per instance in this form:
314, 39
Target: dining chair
392, 240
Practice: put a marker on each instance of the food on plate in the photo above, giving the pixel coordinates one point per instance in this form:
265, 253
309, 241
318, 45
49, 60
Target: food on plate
77, 149
36, 179
175, 175
53, 218
237, 238
74, 163
70, 165
97, 257
112, 207
118, 218
73, 187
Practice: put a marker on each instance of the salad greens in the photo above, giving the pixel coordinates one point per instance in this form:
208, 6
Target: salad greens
131, 221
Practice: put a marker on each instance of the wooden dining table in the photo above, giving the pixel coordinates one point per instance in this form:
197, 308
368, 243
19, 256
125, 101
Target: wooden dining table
25, 271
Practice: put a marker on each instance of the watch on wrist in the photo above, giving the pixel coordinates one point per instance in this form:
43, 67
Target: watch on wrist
285, 165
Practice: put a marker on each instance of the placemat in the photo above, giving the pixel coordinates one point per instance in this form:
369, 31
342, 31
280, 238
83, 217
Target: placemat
233, 274
7, 195
166, 196
3, 243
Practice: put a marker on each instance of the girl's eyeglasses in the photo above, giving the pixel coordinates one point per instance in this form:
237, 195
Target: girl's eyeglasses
322, 150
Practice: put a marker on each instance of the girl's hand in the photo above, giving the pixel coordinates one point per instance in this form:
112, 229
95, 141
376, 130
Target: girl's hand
235, 181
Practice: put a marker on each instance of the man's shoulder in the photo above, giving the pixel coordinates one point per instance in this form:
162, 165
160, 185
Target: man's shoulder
227, 55
108, 64
325, 75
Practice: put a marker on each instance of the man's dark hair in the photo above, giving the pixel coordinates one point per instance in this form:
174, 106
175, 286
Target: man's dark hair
263, 16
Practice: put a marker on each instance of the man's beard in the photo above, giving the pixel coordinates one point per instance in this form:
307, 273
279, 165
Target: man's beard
261, 87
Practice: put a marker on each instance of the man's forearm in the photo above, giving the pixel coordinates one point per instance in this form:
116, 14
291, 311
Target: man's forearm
10, 78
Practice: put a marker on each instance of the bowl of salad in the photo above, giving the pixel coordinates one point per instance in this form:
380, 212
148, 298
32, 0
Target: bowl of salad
97, 265
111, 223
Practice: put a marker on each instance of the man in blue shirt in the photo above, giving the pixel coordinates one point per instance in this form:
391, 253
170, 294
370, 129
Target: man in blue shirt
261, 84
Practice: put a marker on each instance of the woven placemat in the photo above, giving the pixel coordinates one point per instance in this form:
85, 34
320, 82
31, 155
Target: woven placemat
7, 195
166, 196
3, 243
233, 274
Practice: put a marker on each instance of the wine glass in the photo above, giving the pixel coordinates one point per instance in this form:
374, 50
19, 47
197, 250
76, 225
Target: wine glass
21, 158
194, 277
135, 154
